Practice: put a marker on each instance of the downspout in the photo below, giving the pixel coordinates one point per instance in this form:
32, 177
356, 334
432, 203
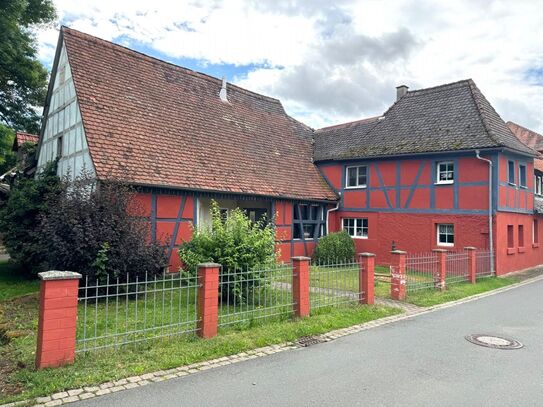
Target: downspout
490, 224
328, 216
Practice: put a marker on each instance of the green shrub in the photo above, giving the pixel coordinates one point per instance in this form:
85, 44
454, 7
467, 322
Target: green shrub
335, 247
237, 244
20, 218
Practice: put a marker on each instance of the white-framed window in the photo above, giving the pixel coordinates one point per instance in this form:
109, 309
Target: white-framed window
356, 227
537, 184
445, 234
445, 172
356, 176
522, 175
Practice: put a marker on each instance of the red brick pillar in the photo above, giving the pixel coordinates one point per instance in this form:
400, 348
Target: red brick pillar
472, 264
441, 275
397, 275
367, 278
208, 299
58, 318
300, 286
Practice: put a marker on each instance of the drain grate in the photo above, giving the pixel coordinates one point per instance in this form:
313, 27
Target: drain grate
306, 341
494, 342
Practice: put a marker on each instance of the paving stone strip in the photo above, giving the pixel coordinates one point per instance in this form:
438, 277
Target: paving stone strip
87, 392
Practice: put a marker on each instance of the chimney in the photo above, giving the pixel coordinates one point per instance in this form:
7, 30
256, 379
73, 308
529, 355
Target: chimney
401, 91
222, 93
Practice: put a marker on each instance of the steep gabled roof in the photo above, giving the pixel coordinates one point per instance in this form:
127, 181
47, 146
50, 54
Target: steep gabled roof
21, 138
449, 117
162, 125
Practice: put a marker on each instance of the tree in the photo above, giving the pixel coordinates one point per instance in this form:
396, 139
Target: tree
7, 157
23, 79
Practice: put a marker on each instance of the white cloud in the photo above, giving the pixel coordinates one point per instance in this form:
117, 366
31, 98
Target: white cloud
335, 61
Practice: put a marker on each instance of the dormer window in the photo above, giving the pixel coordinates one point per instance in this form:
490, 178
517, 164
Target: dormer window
445, 172
357, 176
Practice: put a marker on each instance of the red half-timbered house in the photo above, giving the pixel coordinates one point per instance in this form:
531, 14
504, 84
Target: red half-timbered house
414, 178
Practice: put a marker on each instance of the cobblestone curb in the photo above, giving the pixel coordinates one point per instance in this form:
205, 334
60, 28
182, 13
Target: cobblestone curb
87, 392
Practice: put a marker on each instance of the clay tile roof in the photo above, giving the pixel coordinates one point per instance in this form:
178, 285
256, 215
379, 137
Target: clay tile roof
21, 138
163, 125
449, 117
531, 139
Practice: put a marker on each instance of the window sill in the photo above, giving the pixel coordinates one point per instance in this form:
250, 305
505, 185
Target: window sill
511, 184
444, 183
523, 187
358, 187
534, 245
359, 237
521, 249
511, 250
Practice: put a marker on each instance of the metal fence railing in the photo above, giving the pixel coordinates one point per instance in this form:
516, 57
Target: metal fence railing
456, 266
334, 283
483, 264
114, 312
255, 295
420, 271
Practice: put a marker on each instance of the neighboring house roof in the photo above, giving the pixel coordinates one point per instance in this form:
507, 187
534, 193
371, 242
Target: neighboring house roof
21, 138
449, 117
158, 124
531, 139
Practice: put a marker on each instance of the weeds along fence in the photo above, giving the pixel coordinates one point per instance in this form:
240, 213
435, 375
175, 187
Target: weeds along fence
423, 270
334, 283
115, 312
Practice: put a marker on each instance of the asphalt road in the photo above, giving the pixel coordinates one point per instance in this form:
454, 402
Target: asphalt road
423, 361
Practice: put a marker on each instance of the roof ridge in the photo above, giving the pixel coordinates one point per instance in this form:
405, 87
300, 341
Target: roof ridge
189, 71
341, 125
439, 87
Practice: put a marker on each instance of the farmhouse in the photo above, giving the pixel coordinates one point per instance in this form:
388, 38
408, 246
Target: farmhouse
439, 169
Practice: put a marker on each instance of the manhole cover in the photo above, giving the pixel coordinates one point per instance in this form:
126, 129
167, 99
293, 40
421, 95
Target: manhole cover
495, 342
309, 340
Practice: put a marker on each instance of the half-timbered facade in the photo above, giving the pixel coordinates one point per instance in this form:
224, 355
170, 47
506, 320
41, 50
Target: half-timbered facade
415, 178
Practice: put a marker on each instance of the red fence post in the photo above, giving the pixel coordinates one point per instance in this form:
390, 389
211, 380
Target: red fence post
472, 264
300, 286
439, 278
367, 278
58, 318
397, 275
208, 299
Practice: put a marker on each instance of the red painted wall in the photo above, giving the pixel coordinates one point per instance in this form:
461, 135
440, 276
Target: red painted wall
517, 257
513, 197
413, 232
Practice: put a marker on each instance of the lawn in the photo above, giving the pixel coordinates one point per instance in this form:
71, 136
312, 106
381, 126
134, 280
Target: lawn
430, 297
18, 325
11, 283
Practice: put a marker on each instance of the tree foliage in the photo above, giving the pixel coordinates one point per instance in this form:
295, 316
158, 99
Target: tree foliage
23, 79
7, 157
335, 247
237, 244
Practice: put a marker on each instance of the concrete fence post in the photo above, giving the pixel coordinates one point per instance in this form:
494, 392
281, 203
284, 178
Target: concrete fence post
441, 275
57, 319
367, 278
300, 286
397, 275
208, 299
472, 264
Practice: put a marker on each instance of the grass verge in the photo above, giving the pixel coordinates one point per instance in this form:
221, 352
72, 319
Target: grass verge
428, 298
12, 284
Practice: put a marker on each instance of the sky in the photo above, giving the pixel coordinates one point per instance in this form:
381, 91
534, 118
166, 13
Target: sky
334, 61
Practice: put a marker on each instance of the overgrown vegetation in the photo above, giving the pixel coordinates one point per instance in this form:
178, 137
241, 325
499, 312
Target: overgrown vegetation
335, 247
236, 243
20, 218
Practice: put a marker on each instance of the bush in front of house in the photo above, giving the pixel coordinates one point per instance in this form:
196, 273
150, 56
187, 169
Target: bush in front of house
21, 214
96, 230
238, 244
334, 247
